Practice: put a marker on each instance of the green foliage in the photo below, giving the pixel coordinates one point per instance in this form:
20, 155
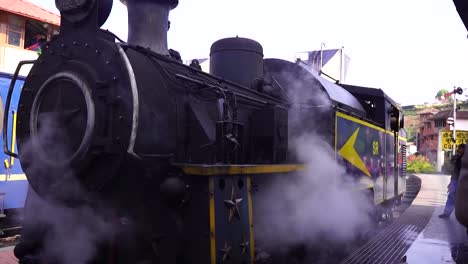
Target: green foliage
419, 164
411, 133
441, 92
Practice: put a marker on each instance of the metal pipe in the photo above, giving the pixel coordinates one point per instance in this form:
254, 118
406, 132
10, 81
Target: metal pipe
454, 135
321, 57
341, 64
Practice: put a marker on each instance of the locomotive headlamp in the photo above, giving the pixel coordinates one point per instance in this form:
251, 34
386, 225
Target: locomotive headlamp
459, 90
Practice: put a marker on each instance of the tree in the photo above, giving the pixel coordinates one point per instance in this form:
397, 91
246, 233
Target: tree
411, 133
441, 93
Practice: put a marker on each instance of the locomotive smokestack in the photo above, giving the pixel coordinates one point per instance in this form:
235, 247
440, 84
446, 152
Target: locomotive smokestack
148, 23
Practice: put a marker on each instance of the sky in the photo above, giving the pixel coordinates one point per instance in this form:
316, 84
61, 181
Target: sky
409, 49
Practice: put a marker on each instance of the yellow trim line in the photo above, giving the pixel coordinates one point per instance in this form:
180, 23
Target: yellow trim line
359, 121
13, 138
212, 221
209, 170
13, 177
251, 223
364, 123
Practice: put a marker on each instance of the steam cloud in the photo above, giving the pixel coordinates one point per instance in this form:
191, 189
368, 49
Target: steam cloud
69, 235
320, 203
69, 231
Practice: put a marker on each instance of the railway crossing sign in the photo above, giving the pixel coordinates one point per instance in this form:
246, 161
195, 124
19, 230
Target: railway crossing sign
447, 141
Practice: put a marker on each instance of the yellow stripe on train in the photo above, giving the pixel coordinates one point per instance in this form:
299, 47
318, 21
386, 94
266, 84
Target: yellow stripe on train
13, 177
210, 170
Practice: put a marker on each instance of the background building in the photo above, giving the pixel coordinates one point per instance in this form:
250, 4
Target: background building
22, 25
432, 123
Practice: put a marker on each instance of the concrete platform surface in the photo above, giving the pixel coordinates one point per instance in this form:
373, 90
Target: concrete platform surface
443, 240
7, 256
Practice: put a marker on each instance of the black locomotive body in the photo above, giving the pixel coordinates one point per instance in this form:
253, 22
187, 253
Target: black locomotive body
158, 161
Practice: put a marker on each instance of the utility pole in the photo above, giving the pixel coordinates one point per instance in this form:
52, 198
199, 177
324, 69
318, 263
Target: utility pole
454, 133
456, 90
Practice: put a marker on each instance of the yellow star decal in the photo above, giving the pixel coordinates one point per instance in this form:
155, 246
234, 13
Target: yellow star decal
350, 154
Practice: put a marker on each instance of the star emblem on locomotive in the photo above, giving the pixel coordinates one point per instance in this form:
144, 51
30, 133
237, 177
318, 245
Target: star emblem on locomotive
225, 250
244, 245
233, 206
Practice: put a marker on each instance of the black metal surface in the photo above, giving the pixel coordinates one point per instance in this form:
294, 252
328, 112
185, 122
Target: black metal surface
462, 9
378, 105
95, 122
237, 59
305, 87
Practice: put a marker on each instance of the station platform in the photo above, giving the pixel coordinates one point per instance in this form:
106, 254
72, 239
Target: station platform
7, 256
418, 235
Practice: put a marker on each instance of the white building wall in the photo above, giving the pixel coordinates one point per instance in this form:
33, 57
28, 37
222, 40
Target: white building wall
11, 56
440, 153
461, 124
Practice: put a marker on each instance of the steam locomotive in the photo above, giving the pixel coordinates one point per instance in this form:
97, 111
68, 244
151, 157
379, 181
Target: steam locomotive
134, 157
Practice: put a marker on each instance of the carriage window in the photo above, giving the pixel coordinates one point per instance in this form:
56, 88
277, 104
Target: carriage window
14, 30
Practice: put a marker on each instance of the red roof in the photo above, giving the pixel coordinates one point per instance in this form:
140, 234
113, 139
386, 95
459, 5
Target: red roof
27, 9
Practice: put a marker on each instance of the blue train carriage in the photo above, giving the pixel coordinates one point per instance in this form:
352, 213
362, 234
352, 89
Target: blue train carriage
373, 148
13, 182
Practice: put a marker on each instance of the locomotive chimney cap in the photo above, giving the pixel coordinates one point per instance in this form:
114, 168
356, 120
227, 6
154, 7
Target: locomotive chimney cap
172, 3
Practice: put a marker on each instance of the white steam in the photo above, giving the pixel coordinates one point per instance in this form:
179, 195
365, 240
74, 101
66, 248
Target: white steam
320, 203
69, 231
71, 235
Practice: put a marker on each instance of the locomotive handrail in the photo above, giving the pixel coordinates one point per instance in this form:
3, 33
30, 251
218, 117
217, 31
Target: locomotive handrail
6, 148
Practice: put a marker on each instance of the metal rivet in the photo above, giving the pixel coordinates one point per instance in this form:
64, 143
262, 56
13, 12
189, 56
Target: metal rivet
86, 45
75, 43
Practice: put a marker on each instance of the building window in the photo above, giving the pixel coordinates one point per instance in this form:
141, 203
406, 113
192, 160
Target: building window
428, 125
14, 30
440, 123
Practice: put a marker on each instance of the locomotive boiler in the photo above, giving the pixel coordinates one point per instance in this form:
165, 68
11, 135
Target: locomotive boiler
160, 162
